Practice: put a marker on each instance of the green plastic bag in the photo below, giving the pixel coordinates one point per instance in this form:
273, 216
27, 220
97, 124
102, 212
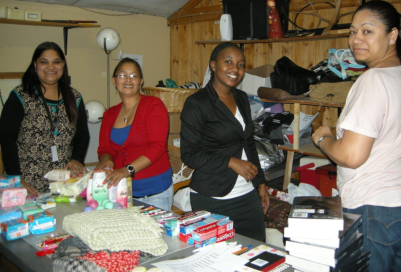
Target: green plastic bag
171, 83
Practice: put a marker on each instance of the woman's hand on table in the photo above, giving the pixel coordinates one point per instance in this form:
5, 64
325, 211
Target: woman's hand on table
76, 168
245, 169
264, 197
113, 177
31, 191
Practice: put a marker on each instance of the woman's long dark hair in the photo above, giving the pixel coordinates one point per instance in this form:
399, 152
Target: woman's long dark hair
31, 82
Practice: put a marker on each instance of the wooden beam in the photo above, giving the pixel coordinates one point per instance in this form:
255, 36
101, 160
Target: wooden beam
197, 11
195, 19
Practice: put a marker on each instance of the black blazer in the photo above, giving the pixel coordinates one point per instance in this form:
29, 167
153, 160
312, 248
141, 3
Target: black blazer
211, 135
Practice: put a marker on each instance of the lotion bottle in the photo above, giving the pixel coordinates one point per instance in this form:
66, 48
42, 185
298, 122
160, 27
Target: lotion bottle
122, 192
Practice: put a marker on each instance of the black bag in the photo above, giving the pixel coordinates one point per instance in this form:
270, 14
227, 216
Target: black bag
291, 78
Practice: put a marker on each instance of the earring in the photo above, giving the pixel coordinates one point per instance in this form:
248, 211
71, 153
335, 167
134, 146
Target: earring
391, 41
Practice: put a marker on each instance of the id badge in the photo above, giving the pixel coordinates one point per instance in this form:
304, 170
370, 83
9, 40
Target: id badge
54, 153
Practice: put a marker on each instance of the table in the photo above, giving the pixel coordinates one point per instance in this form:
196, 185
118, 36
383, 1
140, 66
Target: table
21, 252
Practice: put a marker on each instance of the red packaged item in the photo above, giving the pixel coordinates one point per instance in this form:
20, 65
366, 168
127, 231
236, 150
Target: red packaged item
327, 179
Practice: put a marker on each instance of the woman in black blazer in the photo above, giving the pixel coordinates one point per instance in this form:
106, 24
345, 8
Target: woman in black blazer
217, 141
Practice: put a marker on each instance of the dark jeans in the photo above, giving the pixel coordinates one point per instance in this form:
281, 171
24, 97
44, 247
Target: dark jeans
245, 211
381, 228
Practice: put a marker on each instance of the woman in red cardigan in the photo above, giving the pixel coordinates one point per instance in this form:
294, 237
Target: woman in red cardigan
133, 139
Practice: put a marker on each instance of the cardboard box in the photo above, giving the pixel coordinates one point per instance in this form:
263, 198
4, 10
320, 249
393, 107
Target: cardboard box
172, 137
175, 122
257, 77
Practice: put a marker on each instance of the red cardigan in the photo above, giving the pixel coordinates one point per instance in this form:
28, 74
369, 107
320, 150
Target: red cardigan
147, 137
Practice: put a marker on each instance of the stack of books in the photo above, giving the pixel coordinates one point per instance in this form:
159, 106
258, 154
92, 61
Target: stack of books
322, 238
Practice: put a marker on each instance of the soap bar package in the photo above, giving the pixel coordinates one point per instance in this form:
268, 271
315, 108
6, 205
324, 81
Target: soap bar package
7, 214
42, 222
29, 209
11, 197
10, 181
15, 228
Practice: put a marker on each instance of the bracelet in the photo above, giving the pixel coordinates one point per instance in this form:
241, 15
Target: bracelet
321, 140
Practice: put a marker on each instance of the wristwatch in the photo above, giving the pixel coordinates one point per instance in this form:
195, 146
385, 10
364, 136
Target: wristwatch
321, 140
130, 169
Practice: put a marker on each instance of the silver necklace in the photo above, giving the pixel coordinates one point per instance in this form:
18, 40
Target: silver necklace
126, 115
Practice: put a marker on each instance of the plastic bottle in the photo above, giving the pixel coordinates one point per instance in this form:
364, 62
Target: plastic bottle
89, 191
275, 30
112, 194
129, 198
122, 192
99, 190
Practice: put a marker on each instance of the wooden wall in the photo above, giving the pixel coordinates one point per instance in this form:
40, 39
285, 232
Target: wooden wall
199, 21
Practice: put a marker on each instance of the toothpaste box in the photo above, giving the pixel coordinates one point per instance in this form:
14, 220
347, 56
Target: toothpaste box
185, 237
42, 222
11, 197
212, 230
15, 228
10, 181
171, 227
184, 227
192, 216
219, 238
211, 220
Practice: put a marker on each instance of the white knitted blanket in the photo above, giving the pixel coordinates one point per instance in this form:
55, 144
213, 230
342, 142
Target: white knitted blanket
117, 230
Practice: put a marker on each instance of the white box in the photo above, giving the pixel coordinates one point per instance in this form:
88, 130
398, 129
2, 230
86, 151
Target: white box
33, 16
3, 12
16, 14
316, 160
257, 77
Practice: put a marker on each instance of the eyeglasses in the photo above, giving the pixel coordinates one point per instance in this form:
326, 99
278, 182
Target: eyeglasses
125, 76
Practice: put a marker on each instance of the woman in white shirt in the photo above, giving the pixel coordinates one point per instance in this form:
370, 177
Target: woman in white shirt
367, 149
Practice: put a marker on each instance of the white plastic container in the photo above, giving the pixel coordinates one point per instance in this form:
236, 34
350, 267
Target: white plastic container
99, 190
112, 193
122, 192
89, 191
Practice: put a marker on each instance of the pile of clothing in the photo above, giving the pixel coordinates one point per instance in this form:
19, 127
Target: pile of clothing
108, 240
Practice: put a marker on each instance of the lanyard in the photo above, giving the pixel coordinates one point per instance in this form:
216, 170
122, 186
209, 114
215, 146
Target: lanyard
53, 127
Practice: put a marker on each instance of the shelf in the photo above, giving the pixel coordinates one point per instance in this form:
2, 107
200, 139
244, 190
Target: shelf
305, 101
11, 75
309, 149
278, 171
292, 39
40, 23
65, 26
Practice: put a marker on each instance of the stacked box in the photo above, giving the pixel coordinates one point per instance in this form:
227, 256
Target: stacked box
15, 229
9, 213
10, 181
29, 209
42, 222
11, 197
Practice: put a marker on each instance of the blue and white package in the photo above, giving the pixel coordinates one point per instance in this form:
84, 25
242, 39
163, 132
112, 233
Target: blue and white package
9, 213
15, 229
42, 222
10, 181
